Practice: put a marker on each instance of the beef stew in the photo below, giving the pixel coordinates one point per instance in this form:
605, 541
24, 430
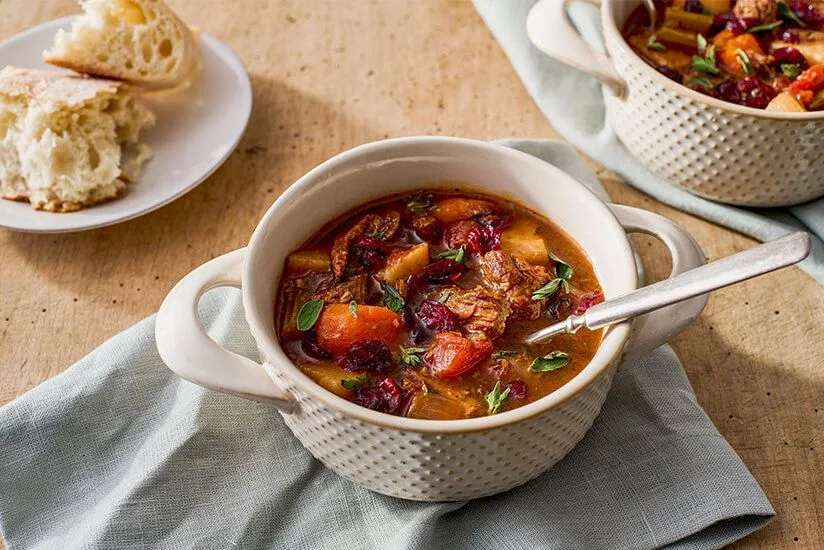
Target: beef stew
766, 54
418, 305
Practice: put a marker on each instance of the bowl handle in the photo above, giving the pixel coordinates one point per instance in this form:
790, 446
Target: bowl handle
657, 328
550, 30
191, 354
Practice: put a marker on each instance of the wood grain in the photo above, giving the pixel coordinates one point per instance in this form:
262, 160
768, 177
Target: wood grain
328, 75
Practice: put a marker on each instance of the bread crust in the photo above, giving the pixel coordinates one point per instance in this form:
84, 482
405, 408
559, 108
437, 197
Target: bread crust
58, 206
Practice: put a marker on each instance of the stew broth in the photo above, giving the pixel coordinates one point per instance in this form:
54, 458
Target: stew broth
418, 305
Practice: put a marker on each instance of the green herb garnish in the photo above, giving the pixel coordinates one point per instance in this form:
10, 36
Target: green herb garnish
549, 288
409, 356
786, 13
706, 64
765, 26
353, 309
551, 361
421, 202
457, 254
496, 398
503, 353
653, 44
744, 60
308, 314
791, 69
357, 383
702, 82
391, 298
700, 43
562, 269
444, 297
376, 234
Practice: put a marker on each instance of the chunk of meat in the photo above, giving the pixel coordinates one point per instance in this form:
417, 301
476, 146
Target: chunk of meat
431, 406
337, 329
355, 288
455, 209
458, 233
452, 354
426, 226
385, 225
516, 280
763, 10
479, 310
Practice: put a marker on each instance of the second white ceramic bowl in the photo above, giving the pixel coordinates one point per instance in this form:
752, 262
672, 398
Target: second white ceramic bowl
715, 149
406, 457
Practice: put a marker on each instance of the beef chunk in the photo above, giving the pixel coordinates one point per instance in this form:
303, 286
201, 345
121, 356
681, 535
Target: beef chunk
458, 233
384, 225
479, 310
516, 280
426, 226
355, 288
763, 10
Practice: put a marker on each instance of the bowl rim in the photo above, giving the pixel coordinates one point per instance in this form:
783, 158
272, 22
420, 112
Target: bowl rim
611, 29
276, 362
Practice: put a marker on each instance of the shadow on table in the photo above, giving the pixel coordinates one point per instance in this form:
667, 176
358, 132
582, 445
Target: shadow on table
755, 406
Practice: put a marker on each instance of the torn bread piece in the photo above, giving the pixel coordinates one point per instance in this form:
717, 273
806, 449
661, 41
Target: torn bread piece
141, 42
66, 141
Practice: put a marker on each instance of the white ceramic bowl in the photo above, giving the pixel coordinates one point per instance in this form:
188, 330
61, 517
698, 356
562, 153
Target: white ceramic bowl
715, 149
405, 457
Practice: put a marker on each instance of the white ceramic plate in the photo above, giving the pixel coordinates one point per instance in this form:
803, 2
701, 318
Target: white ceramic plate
196, 130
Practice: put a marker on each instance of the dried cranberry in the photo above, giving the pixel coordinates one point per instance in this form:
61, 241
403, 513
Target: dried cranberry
310, 347
413, 326
790, 55
443, 271
483, 239
371, 251
367, 355
728, 91
693, 6
517, 389
756, 93
806, 11
458, 232
721, 20
559, 308
670, 73
436, 316
385, 397
791, 36
587, 301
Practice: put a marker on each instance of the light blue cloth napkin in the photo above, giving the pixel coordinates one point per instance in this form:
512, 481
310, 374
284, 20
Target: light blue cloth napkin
573, 103
117, 452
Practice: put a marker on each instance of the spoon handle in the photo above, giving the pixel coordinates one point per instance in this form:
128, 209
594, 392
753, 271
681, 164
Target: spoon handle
739, 267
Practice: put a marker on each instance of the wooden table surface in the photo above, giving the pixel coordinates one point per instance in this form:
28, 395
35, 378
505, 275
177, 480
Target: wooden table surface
329, 75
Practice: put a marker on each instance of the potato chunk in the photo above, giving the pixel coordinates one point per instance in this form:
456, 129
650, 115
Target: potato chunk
310, 260
785, 103
521, 239
329, 377
403, 262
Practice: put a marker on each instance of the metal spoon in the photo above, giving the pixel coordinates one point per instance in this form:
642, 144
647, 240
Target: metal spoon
653, 14
733, 269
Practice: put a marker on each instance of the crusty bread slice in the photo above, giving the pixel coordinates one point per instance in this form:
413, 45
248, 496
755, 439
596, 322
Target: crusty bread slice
141, 42
67, 141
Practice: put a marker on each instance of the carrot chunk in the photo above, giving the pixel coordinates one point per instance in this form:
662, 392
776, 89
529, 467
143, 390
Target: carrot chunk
460, 208
452, 354
338, 328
